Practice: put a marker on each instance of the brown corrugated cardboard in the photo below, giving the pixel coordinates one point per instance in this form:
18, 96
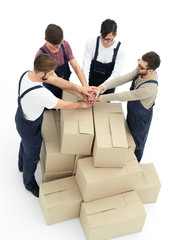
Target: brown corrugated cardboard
149, 185
113, 216
51, 176
60, 200
77, 157
77, 131
95, 183
53, 159
111, 145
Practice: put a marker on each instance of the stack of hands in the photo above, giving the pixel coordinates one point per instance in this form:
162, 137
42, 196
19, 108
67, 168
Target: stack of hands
90, 95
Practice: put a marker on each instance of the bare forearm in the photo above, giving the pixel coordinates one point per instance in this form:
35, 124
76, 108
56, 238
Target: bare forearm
69, 105
62, 83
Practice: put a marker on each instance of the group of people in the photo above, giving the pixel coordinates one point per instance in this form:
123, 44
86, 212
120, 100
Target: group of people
42, 88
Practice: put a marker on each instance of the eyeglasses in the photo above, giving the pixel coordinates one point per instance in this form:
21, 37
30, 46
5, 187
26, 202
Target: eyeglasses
142, 68
107, 39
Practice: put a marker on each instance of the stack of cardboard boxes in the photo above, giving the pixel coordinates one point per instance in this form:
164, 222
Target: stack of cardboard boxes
90, 171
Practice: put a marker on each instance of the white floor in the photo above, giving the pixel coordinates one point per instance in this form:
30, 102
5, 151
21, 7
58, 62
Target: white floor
144, 26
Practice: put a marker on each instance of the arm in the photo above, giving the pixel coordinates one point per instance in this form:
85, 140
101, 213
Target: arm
88, 57
119, 80
78, 71
68, 86
70, 105
146, 91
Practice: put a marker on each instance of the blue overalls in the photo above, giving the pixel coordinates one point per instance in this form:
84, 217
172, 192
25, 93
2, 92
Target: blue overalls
139, 120
100, 72
31, 139
62, 71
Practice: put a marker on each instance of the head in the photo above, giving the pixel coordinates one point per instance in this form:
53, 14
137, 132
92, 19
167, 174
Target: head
149, 62
44, 65
54, 36
108, 32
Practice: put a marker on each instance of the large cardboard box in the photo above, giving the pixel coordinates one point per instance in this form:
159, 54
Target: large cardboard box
113, 216
111, 145
95, 183
53, 159
60, 200
77, 130
149, 186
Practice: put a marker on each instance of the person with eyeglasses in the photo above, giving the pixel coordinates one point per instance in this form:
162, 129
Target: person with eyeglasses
61, 51
103, 56
140, 99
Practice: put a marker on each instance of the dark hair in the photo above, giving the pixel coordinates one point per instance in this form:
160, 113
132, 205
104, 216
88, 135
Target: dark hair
107, 27
152, 59
54, 34
44, 63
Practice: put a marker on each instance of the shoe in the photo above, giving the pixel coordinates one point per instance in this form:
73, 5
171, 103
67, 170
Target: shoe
35, 192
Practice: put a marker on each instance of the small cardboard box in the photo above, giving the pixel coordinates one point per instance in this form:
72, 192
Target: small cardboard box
53, 159
111, 145
113, 216
77, 130
95, 183
149, 185
60, 200
51, 176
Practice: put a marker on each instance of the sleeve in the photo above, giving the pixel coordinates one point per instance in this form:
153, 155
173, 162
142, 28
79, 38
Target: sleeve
68, 51
119, 80
47, 99
143, 92
88, 57
118, 64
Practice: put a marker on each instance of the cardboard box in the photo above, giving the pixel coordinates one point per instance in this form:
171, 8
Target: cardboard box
53, 159
77, 131
60, 200
111, 145
77, 157
51, 176
149, 186
95, 183
113, 216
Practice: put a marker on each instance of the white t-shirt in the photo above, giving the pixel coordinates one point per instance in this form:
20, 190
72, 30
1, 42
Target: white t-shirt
34, 102
105, 55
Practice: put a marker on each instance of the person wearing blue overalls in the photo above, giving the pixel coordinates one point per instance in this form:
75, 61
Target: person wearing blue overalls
33, 97
61, 51
103, 56
140, 98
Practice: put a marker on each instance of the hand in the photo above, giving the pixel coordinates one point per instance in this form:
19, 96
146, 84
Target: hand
88, 90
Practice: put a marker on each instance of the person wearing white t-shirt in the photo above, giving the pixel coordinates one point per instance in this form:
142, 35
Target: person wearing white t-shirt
103, 56
33, 97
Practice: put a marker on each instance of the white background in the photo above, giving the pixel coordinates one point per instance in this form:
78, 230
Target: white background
142, 26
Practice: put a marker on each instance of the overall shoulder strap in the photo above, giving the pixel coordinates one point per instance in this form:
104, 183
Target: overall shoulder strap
42, 49
64, 53
21, 81
30, 89
115, 52
150, 81
97, 47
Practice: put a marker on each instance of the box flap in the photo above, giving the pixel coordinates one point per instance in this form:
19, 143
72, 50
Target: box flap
104, 204
118, 133
85, 121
